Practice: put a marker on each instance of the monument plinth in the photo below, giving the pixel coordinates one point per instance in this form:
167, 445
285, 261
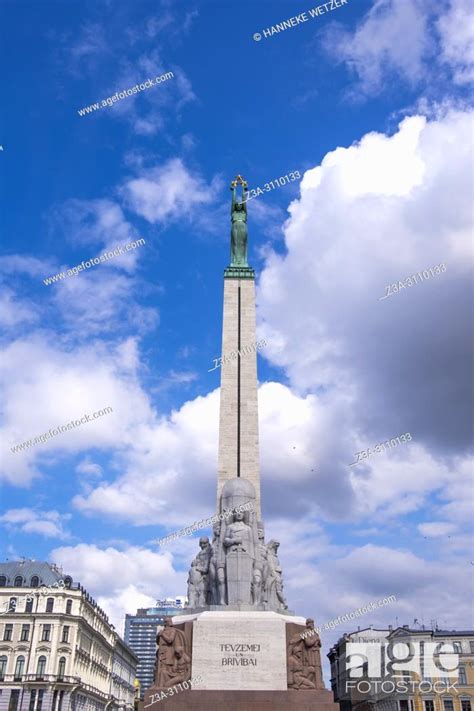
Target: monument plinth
237, 643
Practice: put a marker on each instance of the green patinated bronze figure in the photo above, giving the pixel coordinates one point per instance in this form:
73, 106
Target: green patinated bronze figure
238, 233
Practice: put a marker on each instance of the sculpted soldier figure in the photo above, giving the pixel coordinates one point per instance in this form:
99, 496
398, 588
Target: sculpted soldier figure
194, 584
312, 655
238, 234
239, 560
214, 570
172, 659
273, 591
296, 674
259, 571
304, 659
198, 575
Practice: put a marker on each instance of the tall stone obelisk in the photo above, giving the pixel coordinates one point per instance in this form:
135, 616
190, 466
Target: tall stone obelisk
238, 425
236, 645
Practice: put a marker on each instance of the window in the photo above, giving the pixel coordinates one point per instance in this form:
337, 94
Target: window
448, 704
29, 604
18, 581
61, 697
3, 581
68, 607
457, 647
429, 705
471, 644
403, 705
41, 667
465, 705
25, 633
55, 700
34, 582
46, 636
7, 633
31, 707
62, 667
462, 676
14, 698
12, 604
65, 634
49, 604
40, 700
19, 668
3, 666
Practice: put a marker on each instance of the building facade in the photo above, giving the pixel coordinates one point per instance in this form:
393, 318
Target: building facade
58, 650
358, 689
140, 635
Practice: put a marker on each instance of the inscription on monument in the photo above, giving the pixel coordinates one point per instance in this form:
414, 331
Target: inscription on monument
235, 650
240, 655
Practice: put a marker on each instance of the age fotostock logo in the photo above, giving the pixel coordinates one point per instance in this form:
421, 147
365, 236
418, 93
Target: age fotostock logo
385, 661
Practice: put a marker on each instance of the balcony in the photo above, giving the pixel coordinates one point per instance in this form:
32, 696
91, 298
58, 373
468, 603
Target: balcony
52, 679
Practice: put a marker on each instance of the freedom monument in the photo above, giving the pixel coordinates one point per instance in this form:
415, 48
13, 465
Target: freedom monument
236, 646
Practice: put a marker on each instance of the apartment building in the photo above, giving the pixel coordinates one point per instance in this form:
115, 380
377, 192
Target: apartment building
58, 650
361, 686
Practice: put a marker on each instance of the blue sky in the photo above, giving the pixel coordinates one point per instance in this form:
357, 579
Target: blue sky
370, 102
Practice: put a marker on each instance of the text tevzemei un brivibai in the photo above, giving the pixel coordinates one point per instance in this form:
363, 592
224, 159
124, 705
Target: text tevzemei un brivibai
381, 447
128, 92
301, 18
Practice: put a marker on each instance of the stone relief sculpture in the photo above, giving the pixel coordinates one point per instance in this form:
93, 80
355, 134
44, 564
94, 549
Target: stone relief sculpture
213, 581
312, 655
198, 583
304, 660
238, 568
173, 661
239, 560
273, 586
260, 568
297, 678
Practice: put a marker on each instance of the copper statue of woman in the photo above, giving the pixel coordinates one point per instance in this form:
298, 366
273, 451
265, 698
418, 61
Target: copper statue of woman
238, 233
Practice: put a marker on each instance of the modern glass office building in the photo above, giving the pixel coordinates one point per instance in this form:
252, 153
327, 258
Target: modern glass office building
140, 635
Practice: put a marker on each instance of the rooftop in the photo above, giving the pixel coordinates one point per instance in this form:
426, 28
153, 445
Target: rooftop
47, 573
38, 573
392, 631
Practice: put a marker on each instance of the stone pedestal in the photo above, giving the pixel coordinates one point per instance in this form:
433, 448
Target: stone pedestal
240, 650
290, 700
240, 661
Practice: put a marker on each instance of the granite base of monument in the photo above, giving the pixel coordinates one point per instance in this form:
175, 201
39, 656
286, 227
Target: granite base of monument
239, 650
240, 661
289, 700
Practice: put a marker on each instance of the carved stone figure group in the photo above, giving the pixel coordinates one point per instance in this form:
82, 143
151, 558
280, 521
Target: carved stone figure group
304, 660
237, 568
173, 663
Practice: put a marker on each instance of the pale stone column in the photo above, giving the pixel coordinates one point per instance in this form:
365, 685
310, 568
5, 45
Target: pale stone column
238, 430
